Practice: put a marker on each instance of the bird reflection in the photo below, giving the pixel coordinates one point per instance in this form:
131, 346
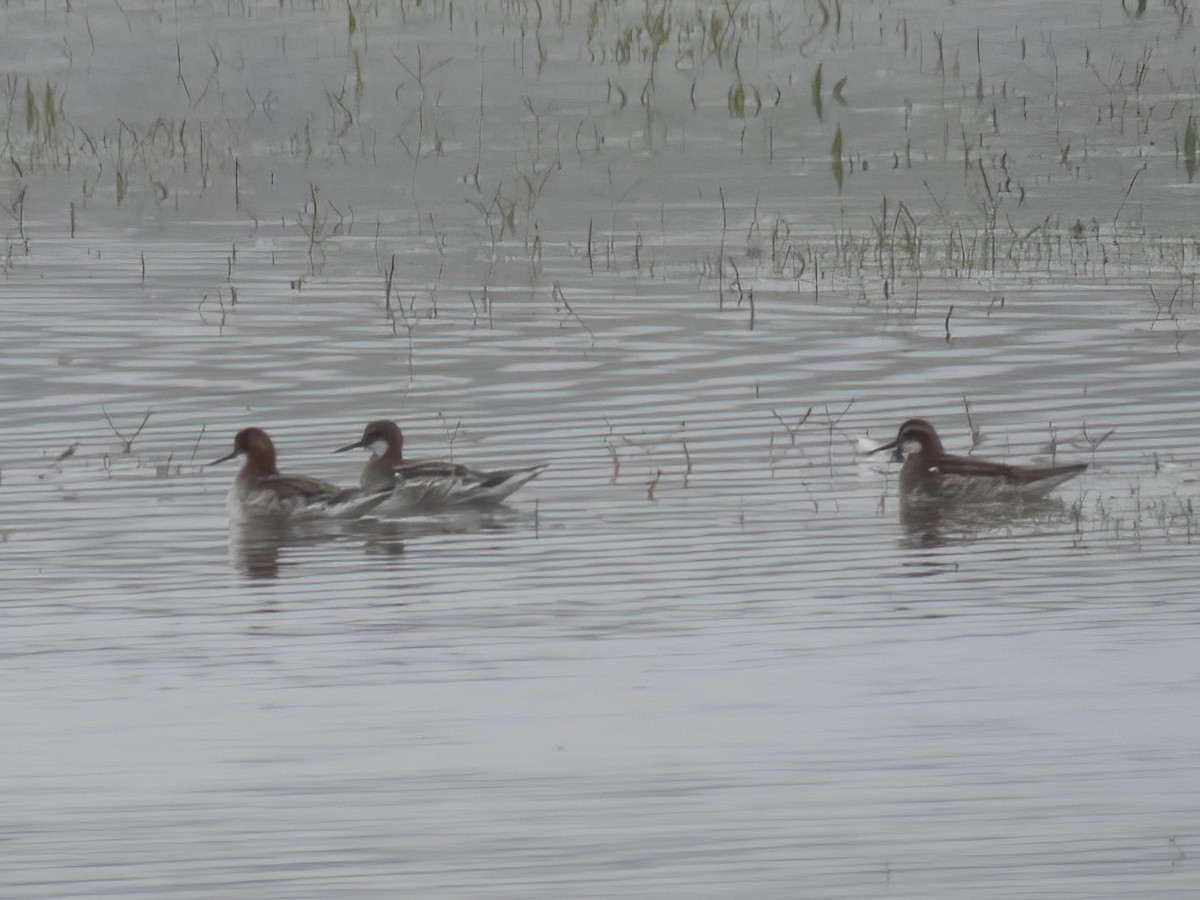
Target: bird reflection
263, 547
934, 522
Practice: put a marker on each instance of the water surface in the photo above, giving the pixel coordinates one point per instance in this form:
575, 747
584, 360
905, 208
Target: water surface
702, 655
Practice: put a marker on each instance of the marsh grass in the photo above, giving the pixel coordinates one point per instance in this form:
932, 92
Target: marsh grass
817, 102
1191, 148
837, 166
855, 247
696, 35
43, 137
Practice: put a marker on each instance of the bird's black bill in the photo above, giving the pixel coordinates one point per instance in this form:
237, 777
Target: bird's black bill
894, 446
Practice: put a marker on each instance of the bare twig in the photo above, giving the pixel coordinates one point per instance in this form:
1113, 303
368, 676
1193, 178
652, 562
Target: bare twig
560, 296
387, 286
1129, 190
791, 432
127, 442
196, 445
653, 484
1093, 443
616, 461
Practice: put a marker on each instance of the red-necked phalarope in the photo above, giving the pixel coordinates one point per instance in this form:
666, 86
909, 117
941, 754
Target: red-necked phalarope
259, 488
930, 471
430, 483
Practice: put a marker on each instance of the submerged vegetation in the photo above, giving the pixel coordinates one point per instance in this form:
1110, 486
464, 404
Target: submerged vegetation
986, 154
578, 163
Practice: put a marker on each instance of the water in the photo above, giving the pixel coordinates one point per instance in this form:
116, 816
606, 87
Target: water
701, 655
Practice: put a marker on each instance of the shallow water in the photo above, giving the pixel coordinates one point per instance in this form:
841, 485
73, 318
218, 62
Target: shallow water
701, 655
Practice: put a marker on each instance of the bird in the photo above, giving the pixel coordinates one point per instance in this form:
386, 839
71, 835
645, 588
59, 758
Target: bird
429, 483
259, 488
929, 472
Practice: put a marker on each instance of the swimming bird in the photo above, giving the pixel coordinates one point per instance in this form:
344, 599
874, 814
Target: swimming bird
930, 472
259, 488
430, 483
